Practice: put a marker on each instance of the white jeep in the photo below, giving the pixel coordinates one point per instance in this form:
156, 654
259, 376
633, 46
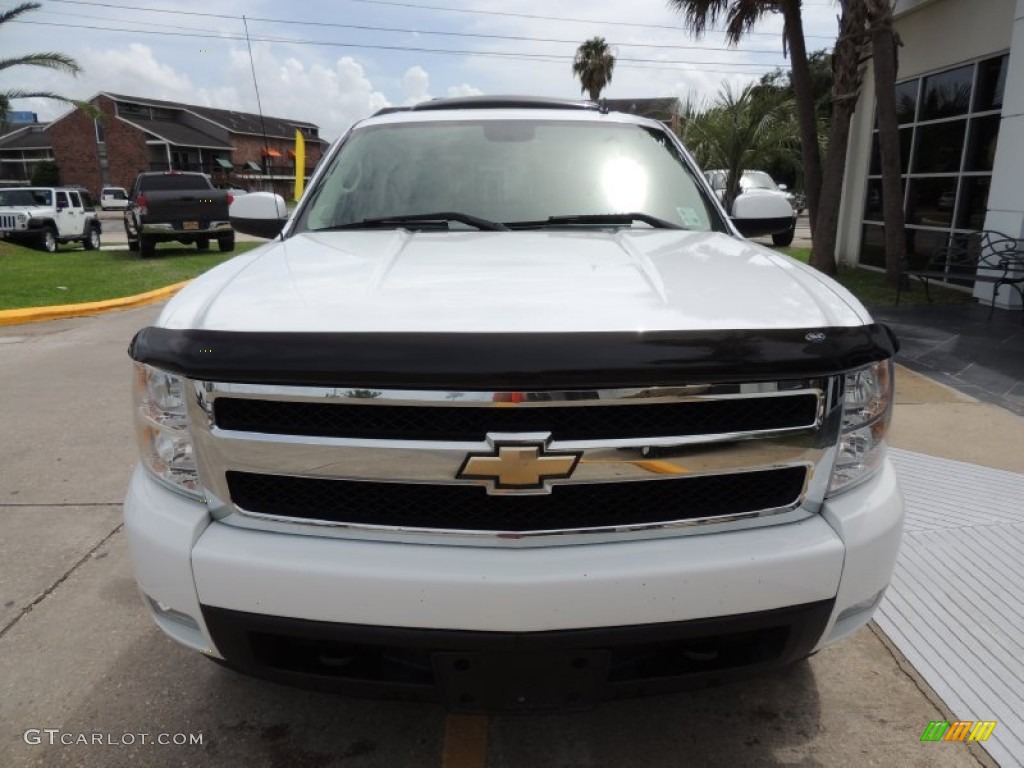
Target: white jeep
47, 216
403, 449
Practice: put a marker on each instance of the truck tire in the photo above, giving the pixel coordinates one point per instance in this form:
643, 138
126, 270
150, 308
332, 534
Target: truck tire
92, 239
226, 242
784, 238
147, 247
48, 239
202, 243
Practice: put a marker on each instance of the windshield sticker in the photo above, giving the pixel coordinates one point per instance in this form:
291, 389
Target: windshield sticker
689, 217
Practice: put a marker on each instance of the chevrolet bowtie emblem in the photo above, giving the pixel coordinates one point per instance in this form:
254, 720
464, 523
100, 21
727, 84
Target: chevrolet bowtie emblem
518, 467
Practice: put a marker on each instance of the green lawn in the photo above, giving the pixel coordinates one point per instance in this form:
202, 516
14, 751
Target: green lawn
33, 278
869, 286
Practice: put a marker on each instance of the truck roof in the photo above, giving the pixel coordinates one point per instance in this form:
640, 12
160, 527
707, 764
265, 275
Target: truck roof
504, 107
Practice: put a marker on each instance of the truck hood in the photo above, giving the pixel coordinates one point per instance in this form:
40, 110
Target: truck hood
29, 209
501, 282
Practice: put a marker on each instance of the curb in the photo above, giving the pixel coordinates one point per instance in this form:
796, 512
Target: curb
62, 311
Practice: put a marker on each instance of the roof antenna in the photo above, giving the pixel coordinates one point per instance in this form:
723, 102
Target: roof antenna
259, 106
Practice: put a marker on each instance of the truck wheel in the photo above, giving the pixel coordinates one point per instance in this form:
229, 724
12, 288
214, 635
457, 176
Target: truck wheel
147, 247
92, 240
48, 240
202, 244
226, 242
784, 238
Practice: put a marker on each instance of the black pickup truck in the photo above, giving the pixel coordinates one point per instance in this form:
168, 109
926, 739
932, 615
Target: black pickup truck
175, 205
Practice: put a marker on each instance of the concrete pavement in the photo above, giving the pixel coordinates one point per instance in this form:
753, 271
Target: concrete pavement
78, 653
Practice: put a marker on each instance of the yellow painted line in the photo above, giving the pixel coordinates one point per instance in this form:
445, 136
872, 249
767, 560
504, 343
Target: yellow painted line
465, 742
57, 312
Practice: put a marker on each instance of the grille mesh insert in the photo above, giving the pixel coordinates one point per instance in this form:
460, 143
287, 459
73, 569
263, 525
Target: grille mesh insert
467, 507
467, 423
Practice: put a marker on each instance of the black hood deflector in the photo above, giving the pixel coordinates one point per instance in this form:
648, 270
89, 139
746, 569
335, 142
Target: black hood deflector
511, 361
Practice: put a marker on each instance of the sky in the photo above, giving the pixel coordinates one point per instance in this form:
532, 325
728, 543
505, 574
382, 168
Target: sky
333, 62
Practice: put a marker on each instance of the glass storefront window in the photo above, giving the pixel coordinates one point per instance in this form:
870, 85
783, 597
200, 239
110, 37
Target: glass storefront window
952, 121
873, 210
973, 203
939, 147
947, 94
991, 84
930, 202
906, 136
906, 101
981, 149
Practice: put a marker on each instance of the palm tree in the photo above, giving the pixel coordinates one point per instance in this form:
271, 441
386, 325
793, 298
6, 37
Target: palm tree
49, 60
847, 75
593, 65
883, 50
741, 16
742, 129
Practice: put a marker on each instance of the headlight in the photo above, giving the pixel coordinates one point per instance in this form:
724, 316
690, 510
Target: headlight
162, 426
867, 409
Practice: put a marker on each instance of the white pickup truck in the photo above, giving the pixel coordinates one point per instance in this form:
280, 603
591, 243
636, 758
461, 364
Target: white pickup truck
47, 216
403, 450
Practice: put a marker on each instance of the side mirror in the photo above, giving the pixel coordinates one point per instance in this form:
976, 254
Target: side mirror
261, 214
783, 187
762, 227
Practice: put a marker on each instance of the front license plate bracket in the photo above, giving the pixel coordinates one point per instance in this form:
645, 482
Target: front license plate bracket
521, 681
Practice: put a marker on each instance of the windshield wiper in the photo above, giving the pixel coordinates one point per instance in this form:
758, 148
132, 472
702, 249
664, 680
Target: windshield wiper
596, 218
426, 218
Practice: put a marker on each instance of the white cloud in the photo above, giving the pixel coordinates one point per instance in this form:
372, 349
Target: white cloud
416, 82
463, 90
135, 69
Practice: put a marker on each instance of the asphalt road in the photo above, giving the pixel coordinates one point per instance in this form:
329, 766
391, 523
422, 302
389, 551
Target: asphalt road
78, 653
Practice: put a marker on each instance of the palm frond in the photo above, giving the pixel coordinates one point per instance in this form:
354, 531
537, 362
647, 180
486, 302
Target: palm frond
83, 106
16, 11
49, 60
698, 15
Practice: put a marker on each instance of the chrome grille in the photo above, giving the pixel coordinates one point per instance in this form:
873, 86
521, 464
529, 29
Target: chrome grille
384, 464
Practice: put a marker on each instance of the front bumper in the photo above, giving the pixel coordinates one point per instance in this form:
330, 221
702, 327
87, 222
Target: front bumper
292, 607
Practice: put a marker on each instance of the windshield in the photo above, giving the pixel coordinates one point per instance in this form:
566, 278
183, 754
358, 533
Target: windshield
508, 171
757, 180
25, 197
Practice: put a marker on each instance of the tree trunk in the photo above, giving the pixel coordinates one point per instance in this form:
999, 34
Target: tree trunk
846, 80
800, 76
883, 48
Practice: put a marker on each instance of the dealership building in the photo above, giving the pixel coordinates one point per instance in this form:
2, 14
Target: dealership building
960, 100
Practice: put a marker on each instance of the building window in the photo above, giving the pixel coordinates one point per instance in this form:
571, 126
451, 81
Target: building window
100, 135
949, 124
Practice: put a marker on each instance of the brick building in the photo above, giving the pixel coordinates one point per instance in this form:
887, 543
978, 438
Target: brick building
21, 148
139, 134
